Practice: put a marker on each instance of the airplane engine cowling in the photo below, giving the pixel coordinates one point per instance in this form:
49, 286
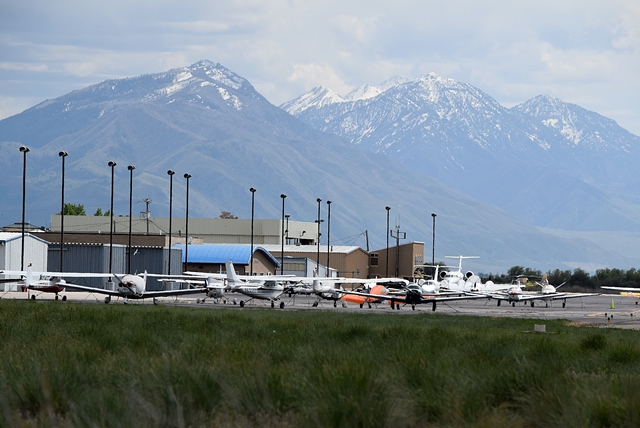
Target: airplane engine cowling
442, 274
468, 275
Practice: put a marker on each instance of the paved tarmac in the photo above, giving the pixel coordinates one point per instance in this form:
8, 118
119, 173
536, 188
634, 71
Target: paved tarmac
588, 311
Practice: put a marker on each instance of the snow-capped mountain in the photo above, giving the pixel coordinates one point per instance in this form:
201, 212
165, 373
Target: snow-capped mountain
546, 161
209, 122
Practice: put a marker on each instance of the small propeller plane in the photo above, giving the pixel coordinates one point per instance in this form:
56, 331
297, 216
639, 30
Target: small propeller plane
47, 282
134, 287
268, 289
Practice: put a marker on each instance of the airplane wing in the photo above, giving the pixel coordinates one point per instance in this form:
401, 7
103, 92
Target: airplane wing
147, 294
627, 289
58, 274
77, 287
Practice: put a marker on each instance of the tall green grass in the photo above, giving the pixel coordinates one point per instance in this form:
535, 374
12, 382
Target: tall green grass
65, 364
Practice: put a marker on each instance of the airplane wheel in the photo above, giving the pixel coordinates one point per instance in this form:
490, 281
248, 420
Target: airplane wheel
155, 301
281, 305
369, 305
56, 297
272, 304
315, 304
532, 304
513, 304
398, 306
64, 298
215, 301
361, 305
498, 302
198, 300
344, 304
335, 304
413, 307
107, 300
242, 303
564, 304
33, 297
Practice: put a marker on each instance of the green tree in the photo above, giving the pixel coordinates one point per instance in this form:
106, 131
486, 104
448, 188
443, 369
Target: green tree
99, 213
73, 209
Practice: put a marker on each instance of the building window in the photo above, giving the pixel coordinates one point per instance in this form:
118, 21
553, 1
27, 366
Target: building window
373, 259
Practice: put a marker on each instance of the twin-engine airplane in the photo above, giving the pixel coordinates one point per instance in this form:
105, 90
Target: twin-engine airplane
547, 294
413, 294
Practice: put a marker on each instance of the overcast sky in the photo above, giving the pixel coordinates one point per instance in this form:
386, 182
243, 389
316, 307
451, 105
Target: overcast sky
585, 52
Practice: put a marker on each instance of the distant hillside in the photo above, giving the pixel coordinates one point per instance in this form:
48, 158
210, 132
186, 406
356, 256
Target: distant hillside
548, 162
208, 121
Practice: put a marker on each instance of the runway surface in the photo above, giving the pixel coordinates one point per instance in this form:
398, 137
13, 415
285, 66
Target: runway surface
587, 311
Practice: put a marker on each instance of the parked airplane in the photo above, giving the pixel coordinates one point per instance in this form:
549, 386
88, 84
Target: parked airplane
268, 289
547, 293
413, 295
134, 287
47, 282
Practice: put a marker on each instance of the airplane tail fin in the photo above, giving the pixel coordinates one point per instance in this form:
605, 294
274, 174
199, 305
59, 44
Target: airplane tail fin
232, 277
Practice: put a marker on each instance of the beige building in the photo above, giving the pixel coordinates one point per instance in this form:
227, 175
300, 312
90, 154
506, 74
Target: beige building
408, 257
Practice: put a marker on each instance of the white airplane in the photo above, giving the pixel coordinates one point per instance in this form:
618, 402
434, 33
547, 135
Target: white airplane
268, 289
47, 282
134, 287
547, 294
212, 286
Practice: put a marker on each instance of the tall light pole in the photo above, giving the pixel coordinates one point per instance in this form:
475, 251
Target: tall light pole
170, 173
112, 164
318, 244
130, 168
387, 233
433, 240
24, 150
282, 238
186, 226
63, 155
286, 230
253, 206
328, 233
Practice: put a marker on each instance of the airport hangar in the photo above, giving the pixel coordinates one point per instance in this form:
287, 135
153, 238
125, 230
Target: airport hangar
301, 250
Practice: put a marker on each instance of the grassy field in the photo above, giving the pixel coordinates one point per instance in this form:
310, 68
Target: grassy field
65, 364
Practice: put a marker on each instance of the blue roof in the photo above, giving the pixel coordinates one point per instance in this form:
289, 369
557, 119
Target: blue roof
220, 253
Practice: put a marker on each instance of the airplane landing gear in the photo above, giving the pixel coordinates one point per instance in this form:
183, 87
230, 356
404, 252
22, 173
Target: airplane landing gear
498, 302
315, 304
155, 301
33, 297
107, 300
64, 298
532, 304
56, 297
281, 305
344, 304
335, 304
242, 303
413, 307
513, 304
272, 304
564, 303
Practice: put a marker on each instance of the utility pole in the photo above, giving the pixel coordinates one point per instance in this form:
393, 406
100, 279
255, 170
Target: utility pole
398, 236
147, 213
